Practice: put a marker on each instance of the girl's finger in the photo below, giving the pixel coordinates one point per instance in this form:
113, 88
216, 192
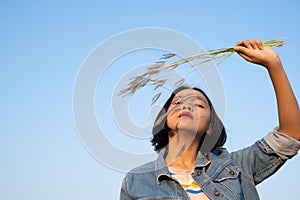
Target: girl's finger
259, 44
248, 44
239, 43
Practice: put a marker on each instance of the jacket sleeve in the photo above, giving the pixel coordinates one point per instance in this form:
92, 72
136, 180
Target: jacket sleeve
266, 156
284, 146
124, 195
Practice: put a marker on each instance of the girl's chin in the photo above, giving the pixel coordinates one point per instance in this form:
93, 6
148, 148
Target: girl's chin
186, 128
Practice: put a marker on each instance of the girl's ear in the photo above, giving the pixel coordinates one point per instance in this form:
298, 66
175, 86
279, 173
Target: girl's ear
209, 130
170, 133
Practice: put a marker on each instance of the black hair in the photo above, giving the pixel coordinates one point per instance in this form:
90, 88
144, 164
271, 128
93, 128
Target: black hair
214, 138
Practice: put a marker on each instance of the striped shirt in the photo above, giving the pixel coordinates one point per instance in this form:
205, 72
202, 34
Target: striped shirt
187, 182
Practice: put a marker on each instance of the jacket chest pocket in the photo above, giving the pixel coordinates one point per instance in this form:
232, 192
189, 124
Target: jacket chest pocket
228, 180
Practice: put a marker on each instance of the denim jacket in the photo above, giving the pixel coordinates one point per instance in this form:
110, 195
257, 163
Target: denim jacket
220, 174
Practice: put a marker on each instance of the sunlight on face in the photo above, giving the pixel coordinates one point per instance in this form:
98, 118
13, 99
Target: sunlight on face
189, 111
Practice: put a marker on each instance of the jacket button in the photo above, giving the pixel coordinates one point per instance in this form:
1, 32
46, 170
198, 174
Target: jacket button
217, 192
199, 173
232, 173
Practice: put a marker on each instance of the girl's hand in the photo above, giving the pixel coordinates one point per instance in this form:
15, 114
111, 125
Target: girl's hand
254, 52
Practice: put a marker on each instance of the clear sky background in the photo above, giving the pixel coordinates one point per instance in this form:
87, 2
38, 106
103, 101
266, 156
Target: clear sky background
43, 46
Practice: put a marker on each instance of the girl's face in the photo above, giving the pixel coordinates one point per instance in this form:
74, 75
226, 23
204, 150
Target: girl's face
189, 111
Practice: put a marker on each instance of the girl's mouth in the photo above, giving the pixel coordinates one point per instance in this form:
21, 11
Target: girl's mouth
186, 114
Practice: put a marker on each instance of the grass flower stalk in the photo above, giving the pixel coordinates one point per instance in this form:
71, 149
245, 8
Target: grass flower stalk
155, 69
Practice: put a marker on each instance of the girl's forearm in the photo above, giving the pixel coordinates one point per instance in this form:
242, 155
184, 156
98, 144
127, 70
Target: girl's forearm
288, 109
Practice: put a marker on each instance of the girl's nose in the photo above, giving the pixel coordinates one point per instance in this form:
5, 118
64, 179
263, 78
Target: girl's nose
187, 107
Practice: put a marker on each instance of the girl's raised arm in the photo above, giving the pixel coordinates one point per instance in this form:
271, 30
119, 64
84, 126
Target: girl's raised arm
288, 109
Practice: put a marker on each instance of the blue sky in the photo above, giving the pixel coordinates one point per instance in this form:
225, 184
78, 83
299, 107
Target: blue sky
45, 44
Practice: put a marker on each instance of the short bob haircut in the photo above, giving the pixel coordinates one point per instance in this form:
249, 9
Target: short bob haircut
214, 138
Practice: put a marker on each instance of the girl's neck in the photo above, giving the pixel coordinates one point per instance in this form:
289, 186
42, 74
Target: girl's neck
185, 159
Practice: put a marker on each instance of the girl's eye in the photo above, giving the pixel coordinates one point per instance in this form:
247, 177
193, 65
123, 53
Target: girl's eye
177, 103
199, 105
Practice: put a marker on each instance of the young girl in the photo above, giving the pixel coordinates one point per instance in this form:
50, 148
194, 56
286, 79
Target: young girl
188, 135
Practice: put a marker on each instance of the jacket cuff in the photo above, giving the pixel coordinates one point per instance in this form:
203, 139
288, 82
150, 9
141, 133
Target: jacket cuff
283, 145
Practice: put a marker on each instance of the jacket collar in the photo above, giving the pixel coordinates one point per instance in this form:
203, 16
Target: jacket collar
161, 168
